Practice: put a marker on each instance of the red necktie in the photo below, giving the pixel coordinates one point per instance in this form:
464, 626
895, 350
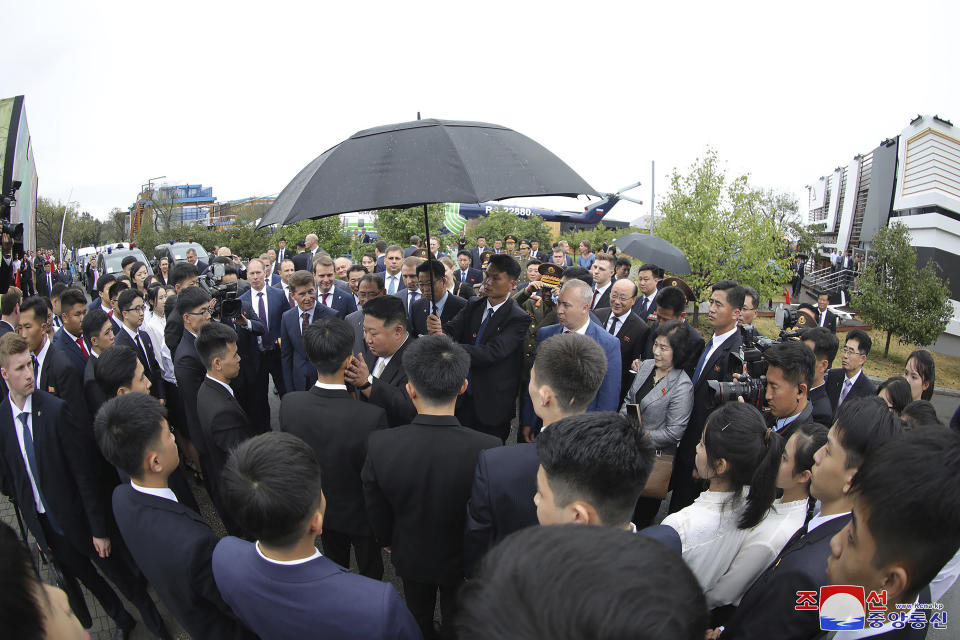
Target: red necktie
82, 347
305, 319
594, 303
325, 296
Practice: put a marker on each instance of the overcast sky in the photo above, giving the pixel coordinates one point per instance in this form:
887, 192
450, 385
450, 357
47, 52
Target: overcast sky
241, 96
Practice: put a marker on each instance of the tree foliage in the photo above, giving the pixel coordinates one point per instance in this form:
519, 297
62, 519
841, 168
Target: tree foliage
395, 226
501, 223
724, 229
807, 239
894, 296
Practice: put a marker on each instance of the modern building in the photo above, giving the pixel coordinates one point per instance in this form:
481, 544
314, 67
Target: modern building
185, 204
912, 178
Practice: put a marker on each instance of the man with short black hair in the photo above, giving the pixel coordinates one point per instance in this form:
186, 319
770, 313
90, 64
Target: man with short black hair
850, 381
417, 478
130, 306
280, 586
824, 346
98, 330
370, 287
73, 306
476, 253
10, 310
340, 442
827, 318
414, 245
102, 299
118, 371
647, 281
435, 298
380, 250
298, 373
354, 273
790, 367
183, 276
55, 294
193, 309
748, 312
467, 274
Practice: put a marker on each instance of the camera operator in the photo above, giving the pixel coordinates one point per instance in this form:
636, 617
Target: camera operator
824, 345
790, 371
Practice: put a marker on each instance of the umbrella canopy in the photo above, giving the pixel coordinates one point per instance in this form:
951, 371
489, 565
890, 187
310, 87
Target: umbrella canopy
655, 250
420, 162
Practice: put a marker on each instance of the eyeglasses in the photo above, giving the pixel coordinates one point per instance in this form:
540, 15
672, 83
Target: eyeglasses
620, 298
205, 312
847, 351
748, 308
135, 309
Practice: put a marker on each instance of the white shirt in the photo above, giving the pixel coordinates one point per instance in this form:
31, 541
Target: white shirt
329, 294
154, 328
582, 330
255, 299
166, 493
41, 356
387, 279
330, 387
28, 407
945, 579
716, 341
709, 535
222, 384
316, 554
818, 520
107, 311
386, 359
599, 291
622, 318
757, 550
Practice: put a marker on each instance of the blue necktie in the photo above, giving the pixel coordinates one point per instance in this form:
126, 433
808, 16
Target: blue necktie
703, 359
32, 461
643, 310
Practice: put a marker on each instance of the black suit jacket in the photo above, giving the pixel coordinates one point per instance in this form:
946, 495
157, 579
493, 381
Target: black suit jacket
767, 608
421, 308
303, 261
831, 323
224, 426
299, 374
501, 500
42, 288
67, 480
59, 377
172, 331
189, 371
6, 274
182, 574
340, 441
633, 338
496, 361
95, 395
149, 360
474, 276
834, 385
603, 300
62, 341
822, 409
388, 391
416, 482
5, 328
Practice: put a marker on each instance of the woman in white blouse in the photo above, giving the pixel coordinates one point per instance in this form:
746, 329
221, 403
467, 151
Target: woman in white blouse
740, 458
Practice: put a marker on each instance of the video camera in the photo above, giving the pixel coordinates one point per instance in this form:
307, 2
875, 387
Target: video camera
15, 231
226, 304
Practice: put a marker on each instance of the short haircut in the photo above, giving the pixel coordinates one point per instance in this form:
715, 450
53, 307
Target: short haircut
394, 248
387, 308
436, 366
733, 291
863, 340
650, 267
574, 367
920, 413
464, 252
182, 271
505, 264
10, 300
271, 487
380, 246
795, 360
355, 268
899, 392
603, 458
322, 261
127, 297
328, 343
911, 487
57, 290
825, 343
863, 424
672, 298
678, 334
754, 296
927, 369
11, 343
533, 261
191, 298
592, 582
609, 258
811, 436
93, 322
481, 236
38, 306
22, 597
414, 239
126, 427
115, 368
439, 271
212, 341
411, 261
583, 291
623, 262
104, 282
375, 278
578, 273
191, 250
301, 278
118, 287
127, 261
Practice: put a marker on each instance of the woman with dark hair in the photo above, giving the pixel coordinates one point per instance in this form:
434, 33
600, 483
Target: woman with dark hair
738, 456
664, 395
921, 372
138, 274
896, 392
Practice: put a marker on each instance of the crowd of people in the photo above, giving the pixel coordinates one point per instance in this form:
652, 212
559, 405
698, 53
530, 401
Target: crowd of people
401, 377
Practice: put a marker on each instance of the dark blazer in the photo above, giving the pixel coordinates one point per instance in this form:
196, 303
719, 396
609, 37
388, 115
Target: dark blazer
315, 599
355, 321
172, 331
67, 479
43, 289
421, 308
224, 426
608, 397
831, 323
388, 390
276, 304
72, 350
805, 416
464, 290
474, 276
404, 295
149, 360
380, 268
298, 373
340, 441
189, 371
6, 274
665, 535
767, 608
183, 574
633, 338
603, 300
651, 309
341, 302
822, 409
834, 384
95, 395
416, 481
495, 363
273, 280
501, 500
59, 377
5, 328
475, 255
303, 261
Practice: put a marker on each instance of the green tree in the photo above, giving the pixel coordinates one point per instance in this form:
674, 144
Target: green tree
595, 236
115, 228
806, 238
50, 216
395, 226
501, 223
895, 297
724, 229
83, 230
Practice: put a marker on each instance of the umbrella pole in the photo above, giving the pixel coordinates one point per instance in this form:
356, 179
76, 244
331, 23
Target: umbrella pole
426, 224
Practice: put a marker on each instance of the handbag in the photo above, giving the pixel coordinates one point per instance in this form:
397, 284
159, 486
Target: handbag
659, 481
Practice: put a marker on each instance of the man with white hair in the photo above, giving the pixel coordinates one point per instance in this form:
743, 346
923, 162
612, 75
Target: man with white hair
340, 267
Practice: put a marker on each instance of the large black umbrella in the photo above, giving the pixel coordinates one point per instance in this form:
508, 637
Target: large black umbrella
655, 250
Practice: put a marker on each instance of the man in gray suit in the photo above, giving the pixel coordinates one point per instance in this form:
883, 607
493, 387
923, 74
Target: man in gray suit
371, 286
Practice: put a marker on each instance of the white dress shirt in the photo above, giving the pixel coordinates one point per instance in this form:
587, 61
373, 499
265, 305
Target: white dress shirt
383, 361
621, 319
41, 356
27, 407
330, 387
387, 279
166, 492
718, 340
316, 554
599, 291
222, 384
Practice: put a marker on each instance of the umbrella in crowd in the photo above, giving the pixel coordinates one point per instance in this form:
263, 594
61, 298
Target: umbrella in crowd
654, 249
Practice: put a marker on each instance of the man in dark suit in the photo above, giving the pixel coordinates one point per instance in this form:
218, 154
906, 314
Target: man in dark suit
195, 261
790, 370
328, 295
602, 272
45, 467
719, 361
282, 254
281, 586
672, 305
99, 331
340, 442
414, 246
193, 307
477, 252
417, 477
447, 305
492, 329
646, 304
222, 420
824, 346
632, 332
467, 274
268, 304
564, 380
303, 260
133, 433
827, 318
410, 293
10, 310
69, 339
850, 381
298, 373
379, 375
183, 276
370, 287
130, 307
47, 280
